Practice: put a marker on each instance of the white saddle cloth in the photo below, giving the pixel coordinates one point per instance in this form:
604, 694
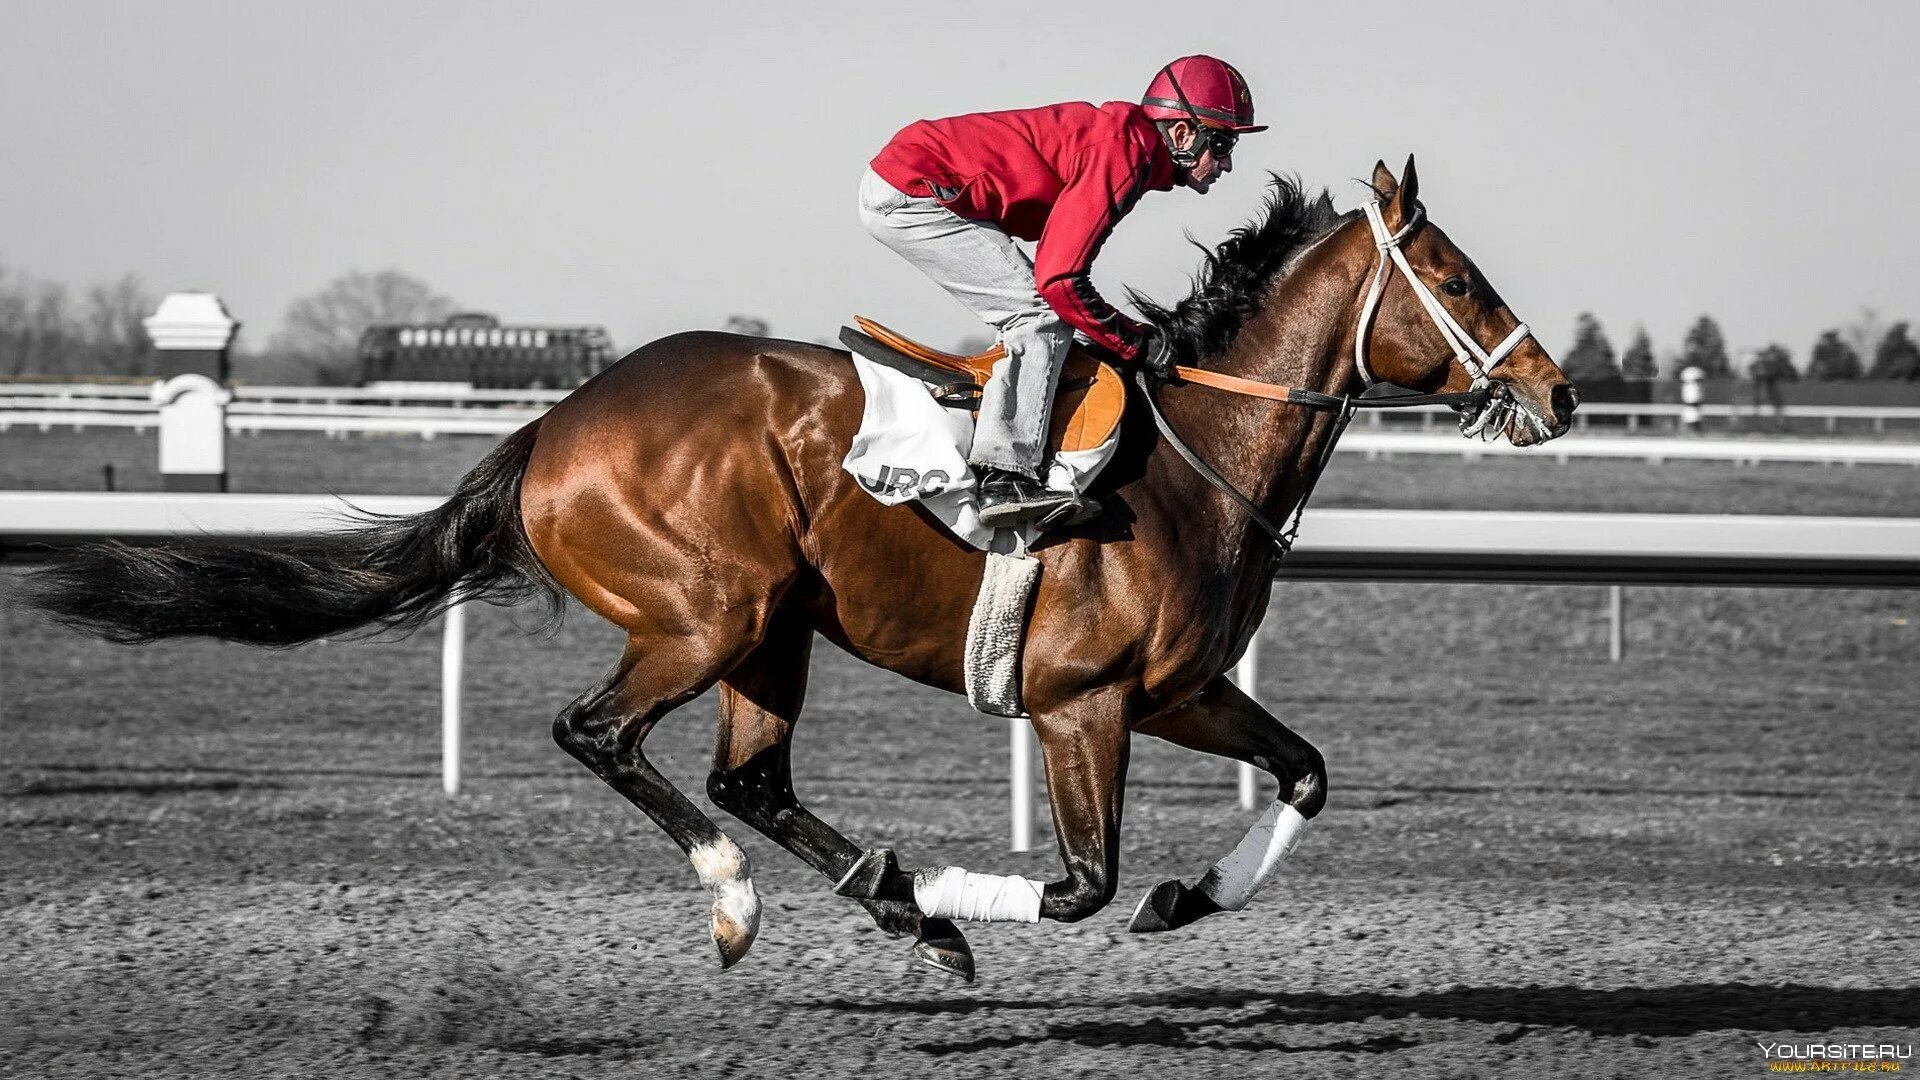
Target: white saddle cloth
911, 448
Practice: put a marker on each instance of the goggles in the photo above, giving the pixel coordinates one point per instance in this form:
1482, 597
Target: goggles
1220, 140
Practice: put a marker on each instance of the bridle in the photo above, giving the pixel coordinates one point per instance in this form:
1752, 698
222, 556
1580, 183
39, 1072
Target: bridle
1483, 402
1467, 352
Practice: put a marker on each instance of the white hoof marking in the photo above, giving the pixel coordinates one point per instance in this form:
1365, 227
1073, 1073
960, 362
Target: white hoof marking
726, 873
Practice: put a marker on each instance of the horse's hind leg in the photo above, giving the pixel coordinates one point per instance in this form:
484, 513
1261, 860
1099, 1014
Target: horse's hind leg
604, 729
752, 780
1223, 720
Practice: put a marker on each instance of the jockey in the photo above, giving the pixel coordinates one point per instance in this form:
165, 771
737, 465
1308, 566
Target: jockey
949, 195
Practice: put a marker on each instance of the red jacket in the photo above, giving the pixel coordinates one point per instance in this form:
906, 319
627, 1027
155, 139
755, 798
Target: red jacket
1061, 175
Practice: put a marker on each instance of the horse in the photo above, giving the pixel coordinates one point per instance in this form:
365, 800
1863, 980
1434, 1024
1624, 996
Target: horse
692, 495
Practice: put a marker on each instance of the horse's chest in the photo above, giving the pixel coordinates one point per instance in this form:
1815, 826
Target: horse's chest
1199, 636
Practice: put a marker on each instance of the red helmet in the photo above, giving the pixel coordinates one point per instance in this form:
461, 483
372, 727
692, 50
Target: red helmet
1202, 89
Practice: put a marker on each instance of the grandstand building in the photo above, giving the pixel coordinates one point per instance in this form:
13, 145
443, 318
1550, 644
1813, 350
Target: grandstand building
474, 350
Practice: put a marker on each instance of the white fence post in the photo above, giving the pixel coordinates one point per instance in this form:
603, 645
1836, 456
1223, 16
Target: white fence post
1616, 622
192, 332
1020, 779
1247, 676
453, 656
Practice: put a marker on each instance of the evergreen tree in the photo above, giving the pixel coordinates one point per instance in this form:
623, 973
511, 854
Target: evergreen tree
1773, 362
1638, 363
1591, 357
1706, 349
1897, 357
1833, 360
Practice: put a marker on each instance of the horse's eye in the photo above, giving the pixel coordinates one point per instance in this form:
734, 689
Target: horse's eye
1455, 287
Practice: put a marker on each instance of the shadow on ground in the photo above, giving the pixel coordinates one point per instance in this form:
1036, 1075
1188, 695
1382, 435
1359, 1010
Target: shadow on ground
1665, 1011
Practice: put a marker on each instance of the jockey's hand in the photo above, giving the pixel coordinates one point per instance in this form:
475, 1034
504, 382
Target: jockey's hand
1156, 353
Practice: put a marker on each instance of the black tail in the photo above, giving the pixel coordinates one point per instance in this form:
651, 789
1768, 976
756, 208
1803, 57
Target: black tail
384, 574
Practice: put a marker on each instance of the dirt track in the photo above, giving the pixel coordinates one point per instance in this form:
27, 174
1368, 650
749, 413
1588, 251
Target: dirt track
218, 862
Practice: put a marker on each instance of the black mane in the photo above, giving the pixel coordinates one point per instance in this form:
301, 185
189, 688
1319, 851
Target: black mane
1234, 277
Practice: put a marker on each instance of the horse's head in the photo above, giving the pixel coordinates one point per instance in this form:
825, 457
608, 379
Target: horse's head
1438, 325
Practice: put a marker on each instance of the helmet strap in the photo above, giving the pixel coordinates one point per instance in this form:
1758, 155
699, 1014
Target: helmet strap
1182, 159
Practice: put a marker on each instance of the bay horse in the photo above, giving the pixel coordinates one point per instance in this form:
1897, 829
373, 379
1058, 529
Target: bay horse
692, 495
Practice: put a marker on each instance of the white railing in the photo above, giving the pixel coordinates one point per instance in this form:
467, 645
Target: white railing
88, 401
1381, 544
1650, 448
428, 422
410, 394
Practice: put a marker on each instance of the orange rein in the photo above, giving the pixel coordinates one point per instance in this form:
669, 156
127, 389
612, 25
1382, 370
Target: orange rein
1233, 384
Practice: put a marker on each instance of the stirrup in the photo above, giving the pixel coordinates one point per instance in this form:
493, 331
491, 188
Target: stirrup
1009, 514
1078, 510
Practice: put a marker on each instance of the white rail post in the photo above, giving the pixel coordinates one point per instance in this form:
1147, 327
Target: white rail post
192, 332
1616, 623
1020, 779
1246, 675
453, 656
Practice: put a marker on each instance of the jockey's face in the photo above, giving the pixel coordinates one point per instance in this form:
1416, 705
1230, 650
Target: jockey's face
1211, 164
1208, 169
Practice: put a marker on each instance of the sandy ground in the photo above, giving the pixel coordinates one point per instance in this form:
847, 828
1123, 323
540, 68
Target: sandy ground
217, 862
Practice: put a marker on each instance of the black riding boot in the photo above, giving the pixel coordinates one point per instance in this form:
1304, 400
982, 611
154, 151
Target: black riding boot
1009, 498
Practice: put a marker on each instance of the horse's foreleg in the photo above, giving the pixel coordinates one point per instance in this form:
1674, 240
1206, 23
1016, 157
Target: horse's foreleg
1223, 720
752, 779
605, 727
1085, 749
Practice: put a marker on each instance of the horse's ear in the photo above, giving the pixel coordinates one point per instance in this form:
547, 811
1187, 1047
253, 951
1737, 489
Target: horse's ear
1384, 185
1400, 205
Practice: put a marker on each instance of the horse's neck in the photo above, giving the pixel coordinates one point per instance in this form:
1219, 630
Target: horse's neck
1267, 450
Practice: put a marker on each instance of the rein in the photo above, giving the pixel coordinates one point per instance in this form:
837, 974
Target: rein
1346, 405
1486, 398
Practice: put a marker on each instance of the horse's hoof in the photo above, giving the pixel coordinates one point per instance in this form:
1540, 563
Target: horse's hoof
942, 946
732, 939
875, 876
1154, 913
736, 922
1169, 906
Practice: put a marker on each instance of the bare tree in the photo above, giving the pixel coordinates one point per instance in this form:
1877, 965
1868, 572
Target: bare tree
42, 332
13, 321
323, 329
46, 340
1864, 332
113, 327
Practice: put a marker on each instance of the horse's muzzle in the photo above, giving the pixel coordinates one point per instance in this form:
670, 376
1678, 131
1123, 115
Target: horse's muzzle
1564, 400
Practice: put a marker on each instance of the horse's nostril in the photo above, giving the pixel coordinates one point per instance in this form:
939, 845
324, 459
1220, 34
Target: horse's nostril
1565, 399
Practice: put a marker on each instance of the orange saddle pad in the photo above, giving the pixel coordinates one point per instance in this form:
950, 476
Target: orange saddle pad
1086, 409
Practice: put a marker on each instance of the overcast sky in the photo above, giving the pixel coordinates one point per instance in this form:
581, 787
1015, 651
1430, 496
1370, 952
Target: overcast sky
658, 167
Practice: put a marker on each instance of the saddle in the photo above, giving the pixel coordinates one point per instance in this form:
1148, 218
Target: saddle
1086, 408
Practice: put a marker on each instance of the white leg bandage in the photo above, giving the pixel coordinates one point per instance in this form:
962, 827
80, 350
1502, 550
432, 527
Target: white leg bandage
1234, 879
948, 892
